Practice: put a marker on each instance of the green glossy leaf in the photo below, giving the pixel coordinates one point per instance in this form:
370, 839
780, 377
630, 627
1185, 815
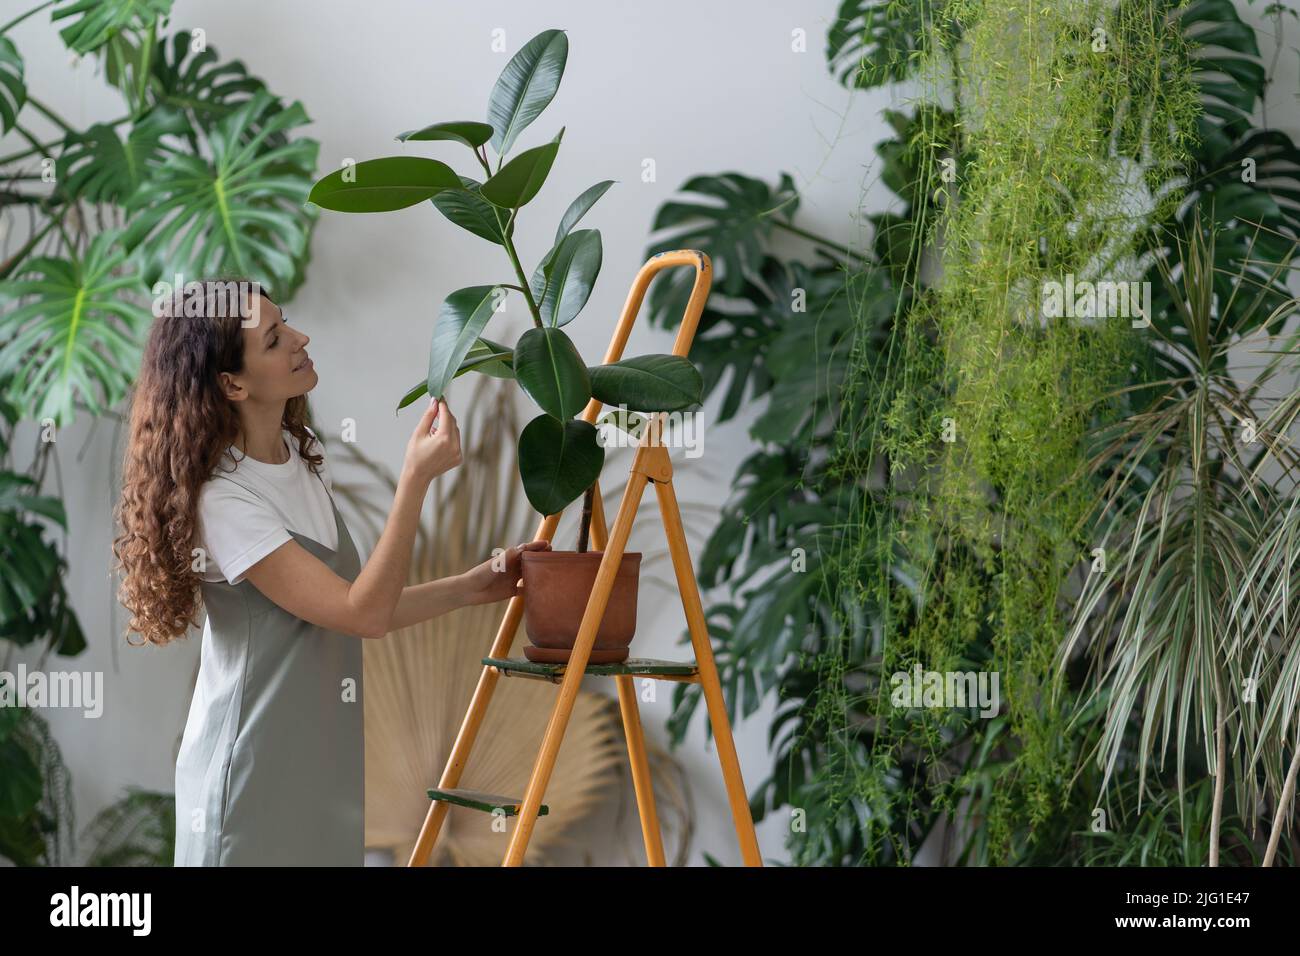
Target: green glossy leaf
577, 209
563, 283
549, 368
13, 91
414, 392
486, 357
464, 314
625, 420
489, 358
648, 383
470, 133
558, 461
520, 179
383, 185
238, 211
96, 21
526, 86
68, 333
469, 210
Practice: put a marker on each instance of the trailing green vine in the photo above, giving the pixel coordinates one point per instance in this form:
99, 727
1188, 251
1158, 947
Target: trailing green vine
1075, 121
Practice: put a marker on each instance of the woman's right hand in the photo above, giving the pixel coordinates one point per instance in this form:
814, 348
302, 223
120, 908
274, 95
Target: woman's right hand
432, 452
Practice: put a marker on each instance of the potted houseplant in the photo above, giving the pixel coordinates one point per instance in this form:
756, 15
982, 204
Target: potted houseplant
560, 455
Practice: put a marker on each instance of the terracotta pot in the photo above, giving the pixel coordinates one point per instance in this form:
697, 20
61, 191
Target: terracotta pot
557, 585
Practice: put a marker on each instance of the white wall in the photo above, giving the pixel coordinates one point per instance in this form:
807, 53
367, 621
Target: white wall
695, 86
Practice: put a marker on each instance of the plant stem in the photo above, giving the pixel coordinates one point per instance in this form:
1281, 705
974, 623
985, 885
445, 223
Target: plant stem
146, 58
820, 240
523, 280
1283, 806
42, 148
13, 261
584, 526
21, 17
51, 115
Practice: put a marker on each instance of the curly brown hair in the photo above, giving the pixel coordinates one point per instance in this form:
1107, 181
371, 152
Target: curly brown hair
181, 425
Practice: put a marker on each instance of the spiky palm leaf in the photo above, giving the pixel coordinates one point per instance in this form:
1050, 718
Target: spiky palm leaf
1173, 619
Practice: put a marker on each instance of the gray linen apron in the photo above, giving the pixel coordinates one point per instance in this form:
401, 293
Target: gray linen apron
271, 769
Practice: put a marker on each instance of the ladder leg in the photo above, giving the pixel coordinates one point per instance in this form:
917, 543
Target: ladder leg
709, 682
636, 753
632, 731
460, 751
573, 673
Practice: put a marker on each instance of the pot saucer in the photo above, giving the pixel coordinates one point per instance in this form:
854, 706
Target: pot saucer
560, 655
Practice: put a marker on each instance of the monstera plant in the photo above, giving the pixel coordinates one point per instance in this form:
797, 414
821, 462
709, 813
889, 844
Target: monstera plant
202, 169
560, 455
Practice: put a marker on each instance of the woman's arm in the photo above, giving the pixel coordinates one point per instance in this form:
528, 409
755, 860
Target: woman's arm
307, 588
493, 580
303, 585
420, 602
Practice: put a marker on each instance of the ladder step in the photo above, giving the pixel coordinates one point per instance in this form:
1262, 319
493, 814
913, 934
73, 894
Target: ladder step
478, 800
633, 666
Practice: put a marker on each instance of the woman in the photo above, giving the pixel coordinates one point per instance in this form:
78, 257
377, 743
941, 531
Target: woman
226, 501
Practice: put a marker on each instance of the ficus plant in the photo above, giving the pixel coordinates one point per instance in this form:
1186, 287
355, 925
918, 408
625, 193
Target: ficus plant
560, 455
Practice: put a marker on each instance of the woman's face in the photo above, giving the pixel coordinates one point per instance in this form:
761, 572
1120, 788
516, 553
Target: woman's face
276, 366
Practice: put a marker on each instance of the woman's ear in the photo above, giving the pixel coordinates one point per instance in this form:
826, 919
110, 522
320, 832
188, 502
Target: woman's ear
231, 388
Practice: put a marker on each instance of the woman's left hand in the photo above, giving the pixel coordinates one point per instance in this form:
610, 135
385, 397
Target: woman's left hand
496, 579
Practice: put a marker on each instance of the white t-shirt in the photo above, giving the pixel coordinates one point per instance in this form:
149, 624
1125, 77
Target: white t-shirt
242, 520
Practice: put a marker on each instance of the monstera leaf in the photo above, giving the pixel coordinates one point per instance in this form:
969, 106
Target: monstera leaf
94, 22
199, 84
241, 210
1224, 58
34, 602
99, 167
74, 338
875, 42
526, 86
13, 91
732, 228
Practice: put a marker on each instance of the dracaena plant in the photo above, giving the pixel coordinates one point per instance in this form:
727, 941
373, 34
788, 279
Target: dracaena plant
560, 456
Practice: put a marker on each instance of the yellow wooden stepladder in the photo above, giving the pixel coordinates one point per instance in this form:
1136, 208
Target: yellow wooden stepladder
651, 464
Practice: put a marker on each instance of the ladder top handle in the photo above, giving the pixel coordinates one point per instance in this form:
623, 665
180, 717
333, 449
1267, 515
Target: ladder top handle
694, 306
